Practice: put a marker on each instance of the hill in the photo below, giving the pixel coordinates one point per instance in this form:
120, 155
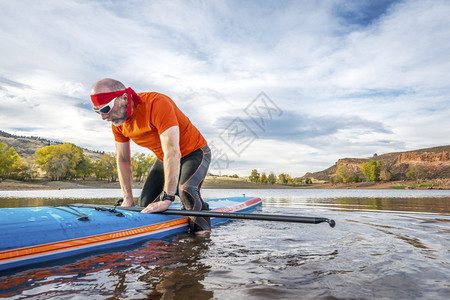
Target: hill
435, 161
26, 146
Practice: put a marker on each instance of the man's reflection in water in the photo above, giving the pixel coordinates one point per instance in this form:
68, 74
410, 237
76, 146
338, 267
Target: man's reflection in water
171, 270
156, 270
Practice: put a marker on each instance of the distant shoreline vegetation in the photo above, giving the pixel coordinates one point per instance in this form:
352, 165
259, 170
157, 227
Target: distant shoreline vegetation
66, 161
283, 178
372, 171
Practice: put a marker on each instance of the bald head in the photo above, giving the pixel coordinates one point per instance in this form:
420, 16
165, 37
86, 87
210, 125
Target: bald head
107, 85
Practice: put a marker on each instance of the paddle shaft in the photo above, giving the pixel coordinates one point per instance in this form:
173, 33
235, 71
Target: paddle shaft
244, 216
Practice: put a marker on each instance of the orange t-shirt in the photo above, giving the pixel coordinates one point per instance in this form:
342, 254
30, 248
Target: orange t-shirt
153, 116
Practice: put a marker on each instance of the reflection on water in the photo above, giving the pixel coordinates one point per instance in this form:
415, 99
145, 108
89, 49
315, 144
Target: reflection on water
156, 270
69, 193
34, 202
432, 205
384, 246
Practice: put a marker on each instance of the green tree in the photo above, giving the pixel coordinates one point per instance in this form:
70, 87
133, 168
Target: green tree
371, 170
416, 173
342, 174
298, 180
289, 179
282, 178
254, 176
308, 180
10, 161
60, 161
100, 169
271, 178
110, 165
84, 167
141, 165
138, 166
263, 178
354, 178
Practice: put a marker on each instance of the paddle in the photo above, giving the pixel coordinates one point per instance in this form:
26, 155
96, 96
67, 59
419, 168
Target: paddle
227, 215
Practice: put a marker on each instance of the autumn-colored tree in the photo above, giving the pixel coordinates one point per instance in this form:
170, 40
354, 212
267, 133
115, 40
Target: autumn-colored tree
141, 164
100, 170
371, 170
28, 170
343, 174
110, 164
283, 178
263, 178
254, 176
60, 161
298, 180
10, 161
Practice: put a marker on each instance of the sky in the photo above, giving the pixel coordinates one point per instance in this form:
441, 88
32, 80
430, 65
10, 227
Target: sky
277, 86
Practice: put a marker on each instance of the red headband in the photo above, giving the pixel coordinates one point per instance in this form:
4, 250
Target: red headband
105, 98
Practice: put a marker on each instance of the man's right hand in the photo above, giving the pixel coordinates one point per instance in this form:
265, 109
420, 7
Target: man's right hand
128, 203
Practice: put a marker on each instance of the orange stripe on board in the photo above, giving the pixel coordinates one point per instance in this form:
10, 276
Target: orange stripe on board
239, 206
72, 244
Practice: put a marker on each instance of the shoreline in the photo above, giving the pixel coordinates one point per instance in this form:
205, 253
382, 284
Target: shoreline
217, 183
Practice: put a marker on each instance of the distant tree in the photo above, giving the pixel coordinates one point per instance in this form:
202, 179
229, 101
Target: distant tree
386, 174
138, 166
342, 174
271, 178
289, 179
354, 178
371, 170
109, 161
84, 167
100, 170
308, 180
298, 180
282, 178
141, 164
60, 161
29, 169
263, 178
10, 161
254, 176
416, 173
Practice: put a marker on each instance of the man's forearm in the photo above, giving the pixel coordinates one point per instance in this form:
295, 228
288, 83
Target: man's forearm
126, 181
171, 173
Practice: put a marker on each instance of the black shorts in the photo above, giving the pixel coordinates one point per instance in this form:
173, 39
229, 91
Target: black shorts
193, 170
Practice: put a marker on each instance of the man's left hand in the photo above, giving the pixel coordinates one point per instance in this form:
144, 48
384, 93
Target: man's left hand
157, 206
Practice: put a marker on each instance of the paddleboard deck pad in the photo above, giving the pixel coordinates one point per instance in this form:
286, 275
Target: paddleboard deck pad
32, 235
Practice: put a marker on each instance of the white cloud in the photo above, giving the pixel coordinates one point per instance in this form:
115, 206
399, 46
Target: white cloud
325, 61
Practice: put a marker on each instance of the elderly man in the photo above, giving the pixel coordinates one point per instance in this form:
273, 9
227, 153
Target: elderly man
153, 121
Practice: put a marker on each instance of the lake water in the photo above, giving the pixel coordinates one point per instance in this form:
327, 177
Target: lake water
387, 244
